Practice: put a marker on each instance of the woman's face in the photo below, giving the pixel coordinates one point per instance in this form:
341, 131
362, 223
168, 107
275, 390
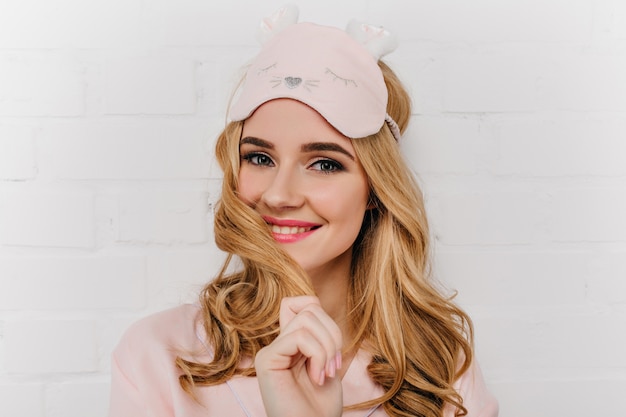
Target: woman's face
303, 177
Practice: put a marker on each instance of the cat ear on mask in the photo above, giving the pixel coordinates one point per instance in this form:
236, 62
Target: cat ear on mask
279, 20
377, 40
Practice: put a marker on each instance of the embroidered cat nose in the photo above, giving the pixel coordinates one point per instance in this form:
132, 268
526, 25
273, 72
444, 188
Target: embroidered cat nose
292, 82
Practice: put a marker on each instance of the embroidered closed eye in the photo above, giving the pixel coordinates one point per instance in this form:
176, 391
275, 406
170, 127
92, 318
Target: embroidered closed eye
336, 77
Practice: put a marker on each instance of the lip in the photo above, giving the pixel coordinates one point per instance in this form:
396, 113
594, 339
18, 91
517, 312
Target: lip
291, 223
288, 222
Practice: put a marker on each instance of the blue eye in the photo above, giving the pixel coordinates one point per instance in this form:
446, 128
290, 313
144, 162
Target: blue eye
327, 166
259, 159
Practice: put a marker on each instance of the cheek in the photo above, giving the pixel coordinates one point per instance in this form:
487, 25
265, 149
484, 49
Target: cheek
347, 202
248, 188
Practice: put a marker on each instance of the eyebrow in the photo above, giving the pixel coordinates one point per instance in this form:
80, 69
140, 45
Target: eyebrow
307, 147
325, 146
256, 141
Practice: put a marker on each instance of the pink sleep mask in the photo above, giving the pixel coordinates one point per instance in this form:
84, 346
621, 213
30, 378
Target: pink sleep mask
333, 71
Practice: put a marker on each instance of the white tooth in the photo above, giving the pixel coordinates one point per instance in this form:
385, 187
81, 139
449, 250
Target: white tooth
286, 230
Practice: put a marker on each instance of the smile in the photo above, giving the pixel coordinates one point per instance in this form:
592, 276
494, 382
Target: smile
289, 231
286, 230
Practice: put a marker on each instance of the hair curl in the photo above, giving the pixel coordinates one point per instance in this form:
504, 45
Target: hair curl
420, 341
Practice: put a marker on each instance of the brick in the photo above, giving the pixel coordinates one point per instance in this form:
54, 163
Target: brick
152, 149
606, 280
2, 354
589, 81
491, 82
554, 396
619, 19
163, 217
214, 170
593, 214
443, 145
342, 12
486, 217
41, 84
525, 341
111, 330
167, 23
511, 278
78, 398
420, 68
21, 399
211, 88
44, 24
70, 346
47, 218
557, 147
72, 283
603, 17
540, 265
17, 152
218, 73
486, 20
161, 84
176, 277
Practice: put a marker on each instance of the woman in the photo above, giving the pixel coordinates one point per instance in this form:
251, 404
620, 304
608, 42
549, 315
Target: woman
332, 311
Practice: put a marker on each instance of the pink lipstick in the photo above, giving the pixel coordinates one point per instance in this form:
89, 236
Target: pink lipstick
289, 230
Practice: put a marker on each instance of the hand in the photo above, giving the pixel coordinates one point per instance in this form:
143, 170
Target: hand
297, 371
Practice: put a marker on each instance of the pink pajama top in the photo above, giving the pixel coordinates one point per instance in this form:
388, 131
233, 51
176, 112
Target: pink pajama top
145, 377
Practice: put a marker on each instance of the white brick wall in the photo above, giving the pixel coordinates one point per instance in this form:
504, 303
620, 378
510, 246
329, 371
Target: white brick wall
47, 216
108, 115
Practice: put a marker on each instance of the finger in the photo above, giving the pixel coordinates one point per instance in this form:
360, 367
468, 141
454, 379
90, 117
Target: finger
307, 311
323, 329
291, 307
282, 354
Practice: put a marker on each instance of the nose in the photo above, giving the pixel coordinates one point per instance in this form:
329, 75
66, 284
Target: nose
284, 189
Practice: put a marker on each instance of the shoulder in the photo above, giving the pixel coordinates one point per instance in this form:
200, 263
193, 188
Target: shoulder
144, 374
169, 326
161, 337
476, 396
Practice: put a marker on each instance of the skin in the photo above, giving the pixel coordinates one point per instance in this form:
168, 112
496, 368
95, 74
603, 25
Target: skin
303, 177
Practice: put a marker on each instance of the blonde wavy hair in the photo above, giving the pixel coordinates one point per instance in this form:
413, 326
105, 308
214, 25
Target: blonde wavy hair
420, 341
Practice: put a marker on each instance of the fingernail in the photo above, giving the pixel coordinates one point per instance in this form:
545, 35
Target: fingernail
322, 377
331, 368
338, 360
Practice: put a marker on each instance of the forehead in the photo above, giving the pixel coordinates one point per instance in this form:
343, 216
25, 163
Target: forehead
288, 121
